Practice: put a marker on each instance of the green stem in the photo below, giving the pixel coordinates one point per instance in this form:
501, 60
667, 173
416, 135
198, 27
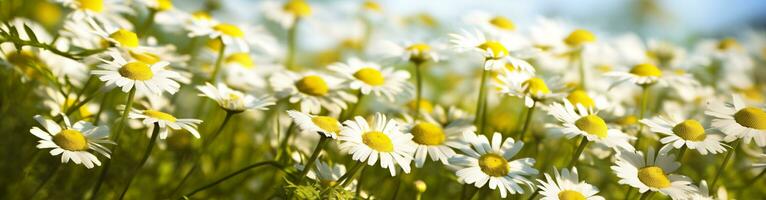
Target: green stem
628, 194
306, 168
527, 121
350, 111
723, 165
534, 194
218, 62
343, 179
359, 183
480, 102
681, 154
418, 89
97, 117
397, 187
117, 133
583, 142
149, 148
245, 169
145, 29
581, 68
645, 195
291, 43
642, 112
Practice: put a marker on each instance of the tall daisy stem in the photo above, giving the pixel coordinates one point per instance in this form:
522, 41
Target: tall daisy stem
116, 134
149, 148
345, 177
306, 168
681, 154
583, 143
418, 88
292, 33
527, 120
481, 101
642, 112
723, 165
577, 57
218, 61
245, 169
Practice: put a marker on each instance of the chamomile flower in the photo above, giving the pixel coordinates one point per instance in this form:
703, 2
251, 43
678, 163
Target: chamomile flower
158, 5
59, 104
382, 139
589, 100
703, 193
325, 125
328, 174
312, 91
497, 52
565, 186
146, 78
646, 74
73, 142
165, 121
233, 100
371, 78
433, 139
738, 120
531, 88
412, 52
104, 11
495, 24
288, 13
483, 161
581, 121
678, 132
652, 172
229, 34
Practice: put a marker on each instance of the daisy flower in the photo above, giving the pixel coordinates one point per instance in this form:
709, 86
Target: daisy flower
73, 142
581, 121
497, 52
233, 100
164, 120
381, 139
59, 104
327, 174
703, 193
371, 78
531, 88
646, 74
495, 24
565, 186
591, 101
652, 173
288, 13
144, 77
325, 125
229, 34
738, 120
413, 52
313, 91
104, 11
158, 5
688, 132
433, 139
483, 162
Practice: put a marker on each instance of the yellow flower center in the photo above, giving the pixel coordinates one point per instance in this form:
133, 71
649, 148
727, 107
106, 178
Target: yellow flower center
628, 120
214, 44
580, 37
136, 71
494, 165
242, 59
580, 97
125, 38
47, 13
71, 140
312, 85
425, 105
690, 130
753, 93
497, 49
570, 195
419, 52
428, 134
593, 125
92, 5
653, 176
201, 15
163, 5
146, 57
23, 58
298, 8
160, 115
372, 6
327, 123
727, 43
646, 70
750, 117
378, 141
229, 29
502, 23
535, 86
370, 76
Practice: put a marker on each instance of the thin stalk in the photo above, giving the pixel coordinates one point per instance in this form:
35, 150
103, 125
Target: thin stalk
245, 169
528, 119
397, 187
117, 133
218, 62
149, 148
418, 89
344, 177
292, 33
359, 184
350, 111
146, 27
306, 168
581, 68
583, 142
480, 102
97, 117
642, 112
681, 154
723, 165
628, 194
752, 180
644, 195
534, 194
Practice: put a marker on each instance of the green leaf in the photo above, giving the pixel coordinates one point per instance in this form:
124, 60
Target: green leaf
30, 33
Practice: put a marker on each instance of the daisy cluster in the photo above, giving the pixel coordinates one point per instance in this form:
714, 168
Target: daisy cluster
395, 104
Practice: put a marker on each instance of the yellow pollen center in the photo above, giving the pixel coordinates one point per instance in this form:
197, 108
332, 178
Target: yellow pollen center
242, 59
497, 49
570, 195
580, 97
201, 15
148, 58
125, 38
373, 6
727, 43
92, 5
535, 86
750, 117
425, 105
370, 76
593, 125
690, 130
428, 134
378, 141
71, 140
163, 5
502, 23
494, 165
137, 71
298, 8
160, 115
327, 123
312, 85
47, 13
628, 120
229, 29
419, 52
646, 70
580, 37
214, 44
653, 176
